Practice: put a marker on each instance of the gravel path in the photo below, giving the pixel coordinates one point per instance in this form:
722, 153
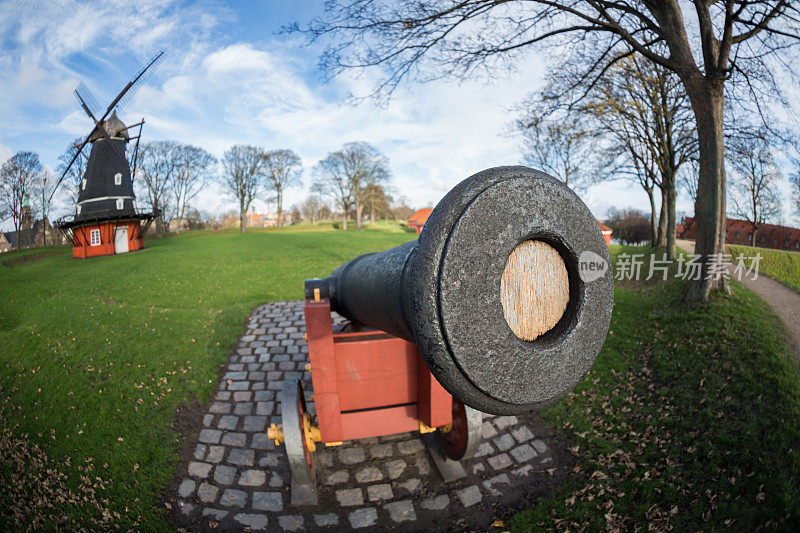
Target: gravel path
783, 300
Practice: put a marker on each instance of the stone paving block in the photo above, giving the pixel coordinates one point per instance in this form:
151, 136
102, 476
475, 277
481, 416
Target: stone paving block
275, 480
243, 408
402, 511
252, 478
410, 446
242, 457
228, 422
200, 452
223, 395
351, 456
208, 419
215, 454
485, 448
539, 445
325, 458
382, 491
199, 469
395, 468
270, 459
186, 488
268, 501
487, 430
207, 493
350, 497
255, 376
492, 484
436, 504
523, 471
365, 517
260, 441
499, 462
255, 423
478, 468
224, 474
326, 520
256, 522
263, 396
338, 477
220, 408
233, 498
504, 442
368, 475
234, 439
210, 436
503, 422
235, 376
469, 496
291, 522
523, 454
265, 408
216, 514
423, 466
522, 434
242, 396
410, 485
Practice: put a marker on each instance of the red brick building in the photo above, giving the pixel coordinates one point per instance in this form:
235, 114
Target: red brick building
741, 232
418, 219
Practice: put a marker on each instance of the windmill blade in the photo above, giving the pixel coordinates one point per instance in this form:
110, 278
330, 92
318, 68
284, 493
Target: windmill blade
74, 157
126, 94
87, 100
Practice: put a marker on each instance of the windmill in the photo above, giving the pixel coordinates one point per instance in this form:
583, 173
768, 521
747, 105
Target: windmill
106, 220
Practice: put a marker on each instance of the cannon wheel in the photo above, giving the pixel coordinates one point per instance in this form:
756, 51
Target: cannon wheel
462, 441
301, 461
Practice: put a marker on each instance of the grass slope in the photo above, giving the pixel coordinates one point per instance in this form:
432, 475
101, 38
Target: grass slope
97, 355
688, 420
779, 265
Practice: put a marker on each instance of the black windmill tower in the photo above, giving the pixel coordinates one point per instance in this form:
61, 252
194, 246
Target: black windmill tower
106, 220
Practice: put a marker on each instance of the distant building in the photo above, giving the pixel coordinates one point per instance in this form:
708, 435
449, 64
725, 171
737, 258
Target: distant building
741, 232
418, 219
258, 220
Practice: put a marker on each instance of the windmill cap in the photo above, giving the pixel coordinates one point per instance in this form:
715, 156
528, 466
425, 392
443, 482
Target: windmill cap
113, 126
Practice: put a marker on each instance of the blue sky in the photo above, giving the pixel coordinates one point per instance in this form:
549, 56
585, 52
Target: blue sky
230, 78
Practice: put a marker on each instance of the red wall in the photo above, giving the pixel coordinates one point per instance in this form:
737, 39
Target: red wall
84, 248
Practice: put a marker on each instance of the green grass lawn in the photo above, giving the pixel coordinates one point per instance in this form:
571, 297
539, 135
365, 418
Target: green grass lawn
779, 265
689, 419
97, 355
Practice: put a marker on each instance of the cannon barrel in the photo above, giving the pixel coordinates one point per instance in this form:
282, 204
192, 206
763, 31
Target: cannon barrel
507, 292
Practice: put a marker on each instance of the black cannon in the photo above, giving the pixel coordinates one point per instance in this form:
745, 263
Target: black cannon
507, 292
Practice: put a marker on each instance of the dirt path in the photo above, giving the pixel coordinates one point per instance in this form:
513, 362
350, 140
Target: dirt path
783, 300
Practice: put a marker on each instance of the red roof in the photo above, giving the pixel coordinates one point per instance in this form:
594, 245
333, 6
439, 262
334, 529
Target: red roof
420, 217
603, 227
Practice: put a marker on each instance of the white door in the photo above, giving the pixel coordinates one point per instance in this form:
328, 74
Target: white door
121, 240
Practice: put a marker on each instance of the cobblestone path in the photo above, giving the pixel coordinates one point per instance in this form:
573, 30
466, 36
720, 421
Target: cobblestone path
237, 478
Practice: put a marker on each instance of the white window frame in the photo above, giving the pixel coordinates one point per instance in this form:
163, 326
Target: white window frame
120, 204
94, 237
118, 179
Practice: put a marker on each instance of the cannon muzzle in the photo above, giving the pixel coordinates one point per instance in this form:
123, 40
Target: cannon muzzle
507, 292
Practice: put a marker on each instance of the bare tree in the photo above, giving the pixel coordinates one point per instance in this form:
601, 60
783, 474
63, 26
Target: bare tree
754, 180
687, 178
556, 143
244, 173
158, 165
377, 201
283, 168
311, 208
725, 46
345, 176
17, 178
43, 187
76, 171
195, 168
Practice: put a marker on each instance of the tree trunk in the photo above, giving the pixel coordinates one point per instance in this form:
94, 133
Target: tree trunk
359, 211
708, 102
344, 219
279, 200
672, 222
653, 219
753, 237
661, 235
242, 219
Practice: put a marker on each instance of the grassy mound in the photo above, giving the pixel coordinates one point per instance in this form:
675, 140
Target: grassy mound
97, 355
779, 265
688, 420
